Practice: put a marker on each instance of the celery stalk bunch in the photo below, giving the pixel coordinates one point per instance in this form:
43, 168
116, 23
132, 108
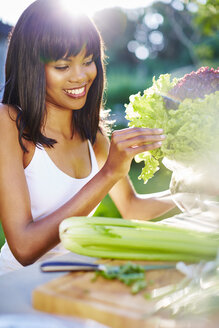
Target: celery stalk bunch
192, 130
136, 240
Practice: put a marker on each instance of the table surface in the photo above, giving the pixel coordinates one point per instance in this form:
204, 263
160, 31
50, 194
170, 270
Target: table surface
16, 298
16, 292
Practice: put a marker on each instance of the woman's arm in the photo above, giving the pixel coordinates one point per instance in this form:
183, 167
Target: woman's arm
29, 240
130, 204
140, 207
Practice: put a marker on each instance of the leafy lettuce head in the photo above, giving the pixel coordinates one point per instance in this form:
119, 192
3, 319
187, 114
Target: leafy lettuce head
192, 130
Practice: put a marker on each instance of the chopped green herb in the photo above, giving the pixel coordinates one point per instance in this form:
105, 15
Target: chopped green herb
131, 274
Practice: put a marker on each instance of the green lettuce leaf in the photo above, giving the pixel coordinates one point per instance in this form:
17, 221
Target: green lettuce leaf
192, 131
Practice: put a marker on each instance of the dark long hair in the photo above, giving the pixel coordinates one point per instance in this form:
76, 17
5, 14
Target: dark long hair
46, 32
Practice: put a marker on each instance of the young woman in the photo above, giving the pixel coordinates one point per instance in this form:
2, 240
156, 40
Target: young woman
55, 158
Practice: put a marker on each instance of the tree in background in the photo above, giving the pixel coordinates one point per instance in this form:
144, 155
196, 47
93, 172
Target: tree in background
208, 16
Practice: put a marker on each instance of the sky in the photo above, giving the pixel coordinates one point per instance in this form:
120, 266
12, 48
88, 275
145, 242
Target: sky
10, 10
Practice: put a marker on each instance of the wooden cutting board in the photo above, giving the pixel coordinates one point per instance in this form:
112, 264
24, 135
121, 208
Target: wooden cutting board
106, 301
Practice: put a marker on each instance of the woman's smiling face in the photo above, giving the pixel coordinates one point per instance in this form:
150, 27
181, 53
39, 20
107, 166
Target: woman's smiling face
68, 80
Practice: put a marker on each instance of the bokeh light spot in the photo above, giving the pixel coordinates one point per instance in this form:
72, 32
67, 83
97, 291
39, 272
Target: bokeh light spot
142, 52
153, 20
156, 37
133, 45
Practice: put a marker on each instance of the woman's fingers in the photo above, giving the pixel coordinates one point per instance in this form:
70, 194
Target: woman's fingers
140, 141
137, 137
127, 143
140, 149
130, 133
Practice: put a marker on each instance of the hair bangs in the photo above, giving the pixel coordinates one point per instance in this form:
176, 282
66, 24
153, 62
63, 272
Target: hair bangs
65, 40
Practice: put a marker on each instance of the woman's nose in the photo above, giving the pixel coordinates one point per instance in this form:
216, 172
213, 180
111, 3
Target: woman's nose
76, 74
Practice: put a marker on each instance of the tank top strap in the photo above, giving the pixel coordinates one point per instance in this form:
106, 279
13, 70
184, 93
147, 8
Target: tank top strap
93, 159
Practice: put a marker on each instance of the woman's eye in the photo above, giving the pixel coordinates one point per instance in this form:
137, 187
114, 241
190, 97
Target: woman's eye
88, 62
61, 67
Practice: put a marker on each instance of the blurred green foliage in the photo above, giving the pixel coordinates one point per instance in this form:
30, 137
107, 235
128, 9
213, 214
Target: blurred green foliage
207, 17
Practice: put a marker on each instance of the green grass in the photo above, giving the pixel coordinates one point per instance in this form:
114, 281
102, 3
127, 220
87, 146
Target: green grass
2, 237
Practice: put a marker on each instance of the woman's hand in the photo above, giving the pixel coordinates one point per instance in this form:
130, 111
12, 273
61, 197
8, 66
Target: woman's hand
127, 143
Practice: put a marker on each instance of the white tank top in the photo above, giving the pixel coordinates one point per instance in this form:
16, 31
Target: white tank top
49, 188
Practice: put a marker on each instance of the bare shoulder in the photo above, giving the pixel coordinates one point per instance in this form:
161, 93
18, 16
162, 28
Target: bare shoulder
9, 142
8, 127
8, 115
101, 148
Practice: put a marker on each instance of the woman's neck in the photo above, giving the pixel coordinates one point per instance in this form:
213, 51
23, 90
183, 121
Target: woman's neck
58, 123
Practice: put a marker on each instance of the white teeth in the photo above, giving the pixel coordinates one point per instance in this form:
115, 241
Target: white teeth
76, 91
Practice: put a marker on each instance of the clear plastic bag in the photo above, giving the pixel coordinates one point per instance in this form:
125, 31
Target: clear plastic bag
195, 189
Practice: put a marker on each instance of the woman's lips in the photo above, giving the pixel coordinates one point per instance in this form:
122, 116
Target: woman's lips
76, 92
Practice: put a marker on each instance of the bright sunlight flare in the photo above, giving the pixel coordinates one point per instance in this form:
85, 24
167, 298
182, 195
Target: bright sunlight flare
80, 7
90, 7
11, 10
